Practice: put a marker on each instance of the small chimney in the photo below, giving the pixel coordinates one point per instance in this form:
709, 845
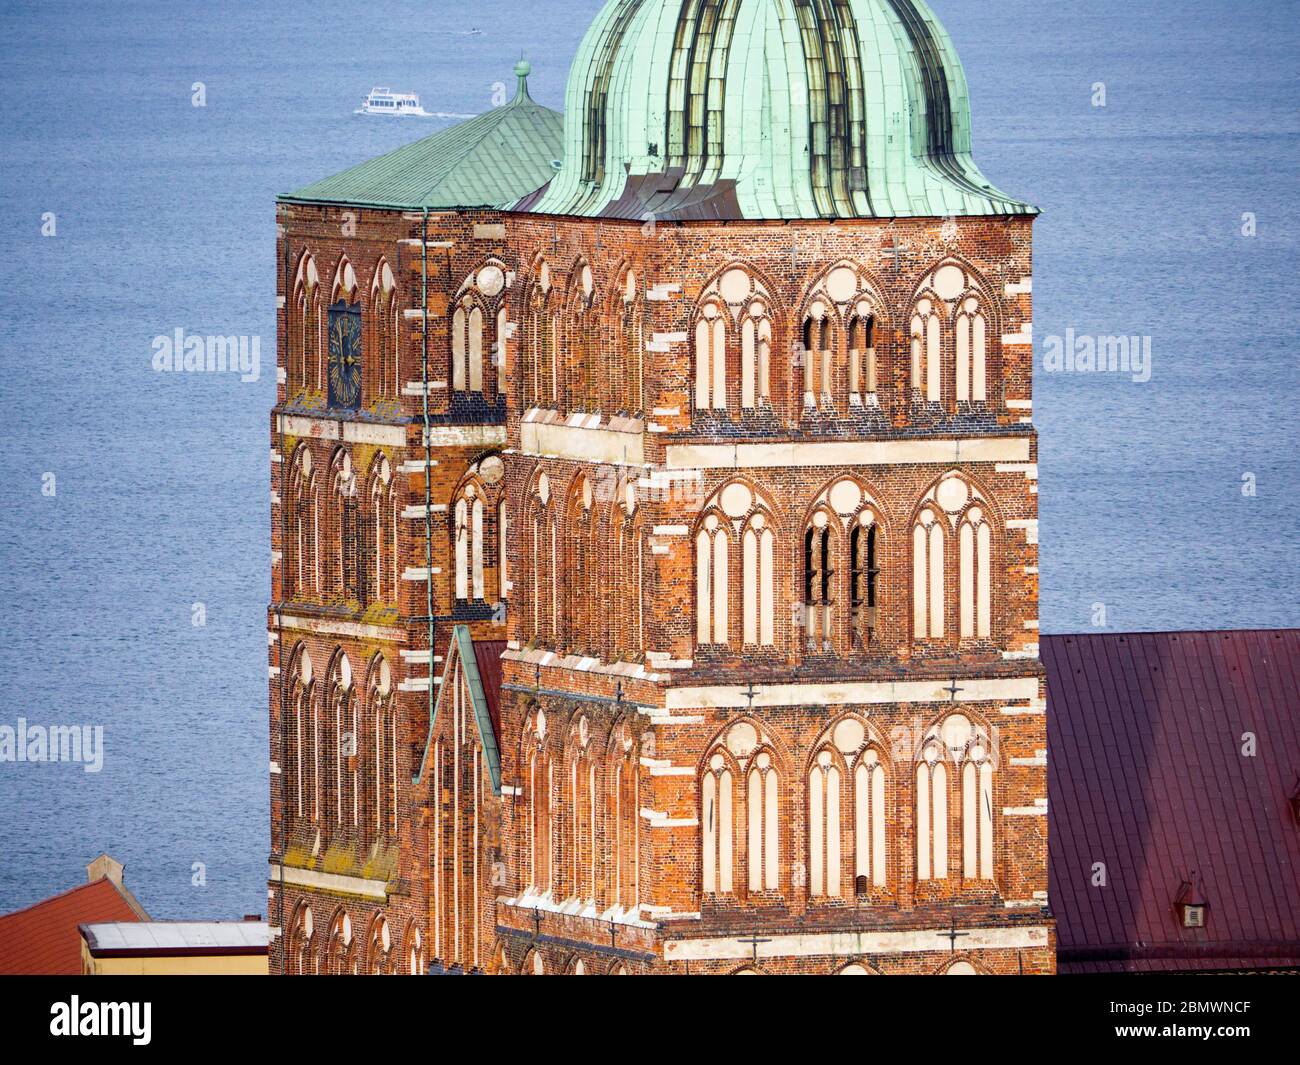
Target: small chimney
252, 918
105, 868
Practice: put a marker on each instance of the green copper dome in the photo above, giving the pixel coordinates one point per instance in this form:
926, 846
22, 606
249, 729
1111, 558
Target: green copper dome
774, 109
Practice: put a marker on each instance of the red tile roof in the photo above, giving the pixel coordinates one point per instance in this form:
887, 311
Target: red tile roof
1147, 775
43, 940
487, 655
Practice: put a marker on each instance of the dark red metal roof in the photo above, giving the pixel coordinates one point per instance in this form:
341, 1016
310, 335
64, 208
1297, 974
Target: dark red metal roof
1147, 775
43, 939
487, 654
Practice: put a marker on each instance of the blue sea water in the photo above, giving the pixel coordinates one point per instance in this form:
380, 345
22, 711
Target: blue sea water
165, 219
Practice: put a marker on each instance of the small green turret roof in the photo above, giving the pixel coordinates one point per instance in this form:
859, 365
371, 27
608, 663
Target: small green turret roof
491, 160
769, 109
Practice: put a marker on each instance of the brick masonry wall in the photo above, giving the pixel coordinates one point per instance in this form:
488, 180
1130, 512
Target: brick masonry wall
626, 636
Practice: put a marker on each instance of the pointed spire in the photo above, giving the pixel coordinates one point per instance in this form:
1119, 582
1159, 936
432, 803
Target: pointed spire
522, 69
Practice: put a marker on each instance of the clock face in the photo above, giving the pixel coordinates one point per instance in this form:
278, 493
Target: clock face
345, 356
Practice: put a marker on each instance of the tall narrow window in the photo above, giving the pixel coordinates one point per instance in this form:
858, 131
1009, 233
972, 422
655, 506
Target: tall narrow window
382, 293
551, 383
499, 352
869, 820
756, 358
926, 346
476, 549
381, 770
476, 349
397, 349
459, 346
862, 358
976, 546
818, 358
540, 781
711, 359
759, 582
717, 827
977, 815
622, 818
763, 811
462, 549
972, 345
307, 299
932, 815
382, 534
711, 583
824, 818
582, 785
927, 576
864, 581
819, 583
503, 541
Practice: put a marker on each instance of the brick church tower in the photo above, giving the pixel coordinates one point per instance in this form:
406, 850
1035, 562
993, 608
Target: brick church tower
655, 524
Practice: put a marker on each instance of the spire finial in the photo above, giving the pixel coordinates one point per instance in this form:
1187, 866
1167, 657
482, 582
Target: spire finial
522, 69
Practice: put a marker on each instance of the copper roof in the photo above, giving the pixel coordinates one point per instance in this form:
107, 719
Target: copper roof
490, 160
760, 109
1148, 777
43, 940
487, 654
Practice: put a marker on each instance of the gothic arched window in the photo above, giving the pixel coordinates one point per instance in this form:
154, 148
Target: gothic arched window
864, 580
582, 816
711, 582
870, 845
763, 813
300, 573
467, 346
818, 357
718, 825
975, 545
629, 367
759, 580
825, 818
847, 814
380, 544
926, 349
304, 330
711, 357
972, 346
543, 550
382, 292
821, 548
623, 789
928, 575
863, 374
415, 951
932, 813
539, 783
755, 357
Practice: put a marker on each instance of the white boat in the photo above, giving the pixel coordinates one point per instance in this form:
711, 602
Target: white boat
386, 102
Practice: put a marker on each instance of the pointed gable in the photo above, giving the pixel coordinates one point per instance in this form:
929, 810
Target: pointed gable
472, 671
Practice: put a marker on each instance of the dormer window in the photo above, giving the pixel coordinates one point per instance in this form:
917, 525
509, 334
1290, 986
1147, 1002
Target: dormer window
1191, 907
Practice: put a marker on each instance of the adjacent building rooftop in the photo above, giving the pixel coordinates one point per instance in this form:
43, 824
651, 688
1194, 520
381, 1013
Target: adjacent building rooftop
491, 160
1174, 778
183, 938
43, 939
